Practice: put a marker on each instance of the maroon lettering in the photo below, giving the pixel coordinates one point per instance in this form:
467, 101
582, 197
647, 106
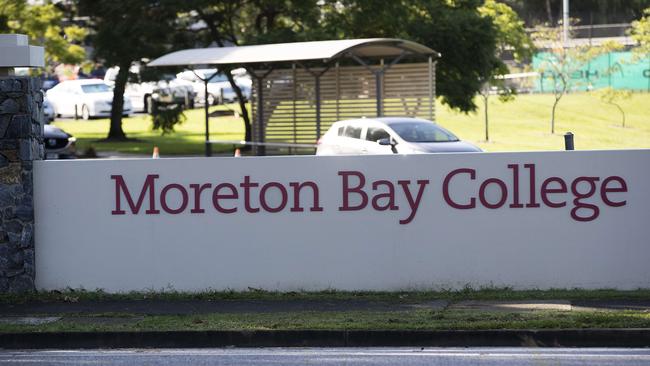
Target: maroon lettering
389, 196
578, 204
283, 194
445, 189
184, 198
148, 186
531, 181
247, 185
296, 196
604, 190
347, 190
198, 188
216, 196
413, 204
515, 186
545, 191
502, 187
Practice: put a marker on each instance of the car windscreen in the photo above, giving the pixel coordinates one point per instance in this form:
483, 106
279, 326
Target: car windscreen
95, 88
422, 132
219, 78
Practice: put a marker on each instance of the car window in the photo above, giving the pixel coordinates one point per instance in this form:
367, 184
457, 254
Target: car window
422, 132
95, 88
376, 133
219, 78
352, 131
340, 132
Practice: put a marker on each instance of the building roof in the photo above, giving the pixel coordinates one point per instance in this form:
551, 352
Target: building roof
296, 51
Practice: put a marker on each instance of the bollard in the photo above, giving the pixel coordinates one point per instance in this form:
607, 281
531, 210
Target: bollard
568, 141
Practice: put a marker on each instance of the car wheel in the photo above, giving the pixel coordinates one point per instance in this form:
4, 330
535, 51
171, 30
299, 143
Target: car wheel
85, 112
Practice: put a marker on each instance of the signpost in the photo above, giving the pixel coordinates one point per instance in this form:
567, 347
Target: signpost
525, 220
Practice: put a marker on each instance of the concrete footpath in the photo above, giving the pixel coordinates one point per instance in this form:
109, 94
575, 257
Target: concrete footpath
36, 313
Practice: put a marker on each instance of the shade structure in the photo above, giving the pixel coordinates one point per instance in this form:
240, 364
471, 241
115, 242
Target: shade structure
295, 51
300, 88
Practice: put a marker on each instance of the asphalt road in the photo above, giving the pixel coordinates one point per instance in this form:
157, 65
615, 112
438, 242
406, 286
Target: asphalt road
333, 356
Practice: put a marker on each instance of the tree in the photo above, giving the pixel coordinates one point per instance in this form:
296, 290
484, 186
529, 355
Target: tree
44, 25
640, 32
228, 23
613, 96
510, 36
466, 40
126, 31
561, 61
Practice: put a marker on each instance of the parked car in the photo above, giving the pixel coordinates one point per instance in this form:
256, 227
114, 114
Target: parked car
58, 143
145, 94
389, 135
219, 88
48, 111
87, 98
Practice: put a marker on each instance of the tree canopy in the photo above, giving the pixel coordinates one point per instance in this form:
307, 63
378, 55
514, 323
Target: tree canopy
640, 32
125, 31
44, 25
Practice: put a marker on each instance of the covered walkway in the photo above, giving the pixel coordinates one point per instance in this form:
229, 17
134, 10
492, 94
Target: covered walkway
301, 88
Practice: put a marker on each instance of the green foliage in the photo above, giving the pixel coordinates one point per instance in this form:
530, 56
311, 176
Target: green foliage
510, 31
456, 29
165, 117
43, 23
640, 32
561, 61
126, 31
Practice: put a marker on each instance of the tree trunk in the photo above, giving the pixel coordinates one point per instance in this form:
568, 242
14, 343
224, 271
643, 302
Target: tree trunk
553, 116
242, 104
622, 113
116, 132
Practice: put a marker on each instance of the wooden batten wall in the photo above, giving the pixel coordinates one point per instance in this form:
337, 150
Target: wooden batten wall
346, 92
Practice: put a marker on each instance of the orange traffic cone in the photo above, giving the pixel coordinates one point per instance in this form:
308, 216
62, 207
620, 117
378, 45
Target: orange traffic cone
156, 153
237, 153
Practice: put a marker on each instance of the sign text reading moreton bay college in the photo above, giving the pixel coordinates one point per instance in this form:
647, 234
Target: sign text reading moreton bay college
582, 197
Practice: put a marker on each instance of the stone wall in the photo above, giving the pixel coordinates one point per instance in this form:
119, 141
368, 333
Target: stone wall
21, 142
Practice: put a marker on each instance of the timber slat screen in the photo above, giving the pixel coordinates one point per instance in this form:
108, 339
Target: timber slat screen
346, 92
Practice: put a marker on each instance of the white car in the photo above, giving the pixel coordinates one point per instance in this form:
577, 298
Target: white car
219, 88
85, 97
145, 94
389, 135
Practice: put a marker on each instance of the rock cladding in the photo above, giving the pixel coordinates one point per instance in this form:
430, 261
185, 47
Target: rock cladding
21, 142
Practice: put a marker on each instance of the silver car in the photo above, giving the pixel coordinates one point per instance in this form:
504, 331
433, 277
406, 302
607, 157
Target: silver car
389, 135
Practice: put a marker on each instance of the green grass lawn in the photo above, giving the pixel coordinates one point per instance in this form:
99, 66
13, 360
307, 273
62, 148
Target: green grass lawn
524, 124
521, 125
188, 138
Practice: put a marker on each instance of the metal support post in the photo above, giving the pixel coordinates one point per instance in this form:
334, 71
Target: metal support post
568, 141
378, 81
261, 150
318, 106
431, 105
208, 147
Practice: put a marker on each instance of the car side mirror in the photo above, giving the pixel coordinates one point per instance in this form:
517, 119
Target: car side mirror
386, 141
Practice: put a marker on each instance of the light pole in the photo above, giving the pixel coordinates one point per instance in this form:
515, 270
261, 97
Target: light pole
565, 22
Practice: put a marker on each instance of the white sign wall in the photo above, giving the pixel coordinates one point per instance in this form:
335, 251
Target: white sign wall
525, 220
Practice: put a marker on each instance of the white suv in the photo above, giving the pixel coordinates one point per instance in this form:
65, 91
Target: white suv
389, 135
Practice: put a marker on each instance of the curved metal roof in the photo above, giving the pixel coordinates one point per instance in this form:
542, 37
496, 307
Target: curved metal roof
297, 51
